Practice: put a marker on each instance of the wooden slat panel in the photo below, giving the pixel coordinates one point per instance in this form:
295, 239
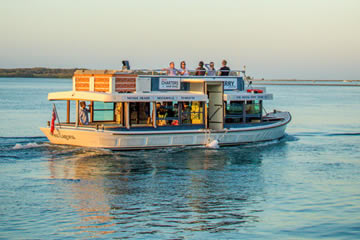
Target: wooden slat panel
125, 84
97, 79
82, 84
86, 85
101, 84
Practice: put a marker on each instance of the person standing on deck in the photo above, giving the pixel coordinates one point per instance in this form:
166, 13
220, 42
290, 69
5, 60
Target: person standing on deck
171, 70
183, 70
83, 114
224, 70
211, 71
200, 71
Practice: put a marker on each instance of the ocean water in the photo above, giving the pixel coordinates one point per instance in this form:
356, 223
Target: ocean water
304, 186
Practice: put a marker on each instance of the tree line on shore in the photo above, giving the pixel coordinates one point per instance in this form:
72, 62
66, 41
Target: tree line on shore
38, 72
42, 72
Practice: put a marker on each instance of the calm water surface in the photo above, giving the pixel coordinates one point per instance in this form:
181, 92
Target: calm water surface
304, 186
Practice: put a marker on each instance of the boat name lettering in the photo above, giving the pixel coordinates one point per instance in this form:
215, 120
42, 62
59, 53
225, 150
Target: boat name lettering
66, 137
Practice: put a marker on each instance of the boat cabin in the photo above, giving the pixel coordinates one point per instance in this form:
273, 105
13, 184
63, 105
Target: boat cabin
128, 102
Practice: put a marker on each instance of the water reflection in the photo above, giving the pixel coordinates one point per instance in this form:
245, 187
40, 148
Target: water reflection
86, 192
173, 191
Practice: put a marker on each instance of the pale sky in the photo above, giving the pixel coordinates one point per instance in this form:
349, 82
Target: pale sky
302, 39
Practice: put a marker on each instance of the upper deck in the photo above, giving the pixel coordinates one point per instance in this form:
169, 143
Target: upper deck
118, 86
128, 101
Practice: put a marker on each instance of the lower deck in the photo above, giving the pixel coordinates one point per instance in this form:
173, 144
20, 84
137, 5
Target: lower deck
113, 126
147, 138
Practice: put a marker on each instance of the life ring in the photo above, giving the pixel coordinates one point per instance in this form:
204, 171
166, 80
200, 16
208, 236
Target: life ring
254, 90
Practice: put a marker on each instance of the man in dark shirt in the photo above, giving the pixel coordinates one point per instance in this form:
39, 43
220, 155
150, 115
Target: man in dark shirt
200, 71
224, 70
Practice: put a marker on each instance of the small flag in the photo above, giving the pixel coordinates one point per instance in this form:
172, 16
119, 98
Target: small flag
52, 127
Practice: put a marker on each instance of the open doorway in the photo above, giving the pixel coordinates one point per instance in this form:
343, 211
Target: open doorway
216, 105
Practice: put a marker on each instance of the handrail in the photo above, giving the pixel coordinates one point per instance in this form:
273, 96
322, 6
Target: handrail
153, 71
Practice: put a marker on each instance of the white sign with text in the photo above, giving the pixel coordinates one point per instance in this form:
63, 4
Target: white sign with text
169, 83
229, 83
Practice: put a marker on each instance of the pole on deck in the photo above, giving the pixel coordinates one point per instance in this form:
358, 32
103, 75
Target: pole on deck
68, 112
77, 114
91, 111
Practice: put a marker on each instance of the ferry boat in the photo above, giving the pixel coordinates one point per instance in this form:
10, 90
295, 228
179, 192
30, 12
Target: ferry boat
129, 111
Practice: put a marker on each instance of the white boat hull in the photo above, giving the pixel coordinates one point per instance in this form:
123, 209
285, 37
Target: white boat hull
127, 140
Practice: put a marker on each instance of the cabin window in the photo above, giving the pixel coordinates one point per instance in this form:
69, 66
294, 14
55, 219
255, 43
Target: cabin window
167, 113
253, 111
179, 113
140, 113
103, 111
253, 107
192, 113
234, 112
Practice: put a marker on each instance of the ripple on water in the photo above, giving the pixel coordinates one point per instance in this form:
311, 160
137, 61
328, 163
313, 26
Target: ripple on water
295, 187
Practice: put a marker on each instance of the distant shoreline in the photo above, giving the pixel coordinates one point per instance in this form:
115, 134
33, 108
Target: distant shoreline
299, 80
308, 84
295, 82
38, 72
42, 72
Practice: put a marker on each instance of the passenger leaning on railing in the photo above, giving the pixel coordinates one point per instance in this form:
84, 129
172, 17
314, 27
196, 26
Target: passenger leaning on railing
183, 70
211, 71
200, 71
171, 70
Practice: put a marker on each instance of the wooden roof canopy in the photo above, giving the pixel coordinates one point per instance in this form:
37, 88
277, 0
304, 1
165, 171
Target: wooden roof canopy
104, 81
101, 72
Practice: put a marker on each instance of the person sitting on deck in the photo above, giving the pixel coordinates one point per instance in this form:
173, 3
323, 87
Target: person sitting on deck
200, 71
171, 70
161, 115
186, 117
224, 70
126, 65
83, 114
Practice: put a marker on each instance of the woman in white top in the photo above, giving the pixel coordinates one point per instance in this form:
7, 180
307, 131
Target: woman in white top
183, 70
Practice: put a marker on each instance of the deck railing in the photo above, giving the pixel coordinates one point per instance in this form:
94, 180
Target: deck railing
192, 72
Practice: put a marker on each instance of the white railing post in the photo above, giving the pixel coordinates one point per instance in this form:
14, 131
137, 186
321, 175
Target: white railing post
91, 84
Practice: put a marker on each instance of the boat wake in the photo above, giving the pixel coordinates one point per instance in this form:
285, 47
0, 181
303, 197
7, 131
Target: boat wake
326, 134
213, 144
29, 145
16, 143
343, 134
